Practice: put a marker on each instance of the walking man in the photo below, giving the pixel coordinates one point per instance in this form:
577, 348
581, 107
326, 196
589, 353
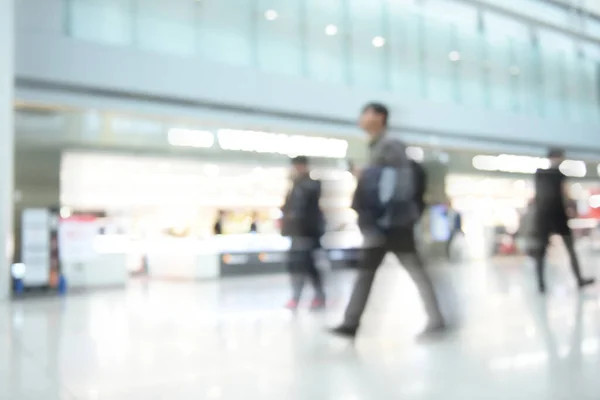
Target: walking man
397, 236
551, 217
303, 221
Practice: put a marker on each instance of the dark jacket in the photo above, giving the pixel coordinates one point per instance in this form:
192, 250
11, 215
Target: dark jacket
302, 215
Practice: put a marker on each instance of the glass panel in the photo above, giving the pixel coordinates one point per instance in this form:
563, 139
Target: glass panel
107, 21
369, 44
527, 75
279, 39
590, 100
226, 31
553, 91
406, 55
471, 90
167, 27
442, 60
326, 35
501, 87
376, 44
573, 89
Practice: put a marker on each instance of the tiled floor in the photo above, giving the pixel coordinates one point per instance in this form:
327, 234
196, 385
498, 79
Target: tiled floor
232, 340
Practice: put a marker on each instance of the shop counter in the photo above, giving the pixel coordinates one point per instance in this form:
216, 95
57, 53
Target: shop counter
102, 265
102, 270
252, 254
172, 258
233, 255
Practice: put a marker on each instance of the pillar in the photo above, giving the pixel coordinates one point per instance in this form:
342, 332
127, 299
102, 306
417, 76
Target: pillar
6, 142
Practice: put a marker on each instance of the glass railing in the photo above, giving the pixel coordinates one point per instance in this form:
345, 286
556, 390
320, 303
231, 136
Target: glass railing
342, 42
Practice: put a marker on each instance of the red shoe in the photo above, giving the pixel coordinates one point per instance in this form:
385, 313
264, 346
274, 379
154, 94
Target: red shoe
291, 305
317, 304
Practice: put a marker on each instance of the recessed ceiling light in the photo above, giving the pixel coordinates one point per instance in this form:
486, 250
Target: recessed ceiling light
271, 15
331, 30
378, 41
454, 56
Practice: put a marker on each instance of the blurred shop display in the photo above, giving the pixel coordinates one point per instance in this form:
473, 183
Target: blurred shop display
187, 219
36, 246
158, 214
39, 267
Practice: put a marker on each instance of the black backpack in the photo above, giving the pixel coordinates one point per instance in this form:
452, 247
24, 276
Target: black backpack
387, 196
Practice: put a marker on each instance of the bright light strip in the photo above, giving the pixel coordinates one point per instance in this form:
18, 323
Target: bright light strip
509, 163
191, 138
526, 165
277, 143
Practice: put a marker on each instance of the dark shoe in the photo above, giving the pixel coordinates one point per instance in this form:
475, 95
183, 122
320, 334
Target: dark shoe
586, 282
344, 331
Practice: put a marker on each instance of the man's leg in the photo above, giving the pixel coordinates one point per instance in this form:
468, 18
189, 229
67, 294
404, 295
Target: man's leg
297, 282
570, 245
297, 271
370, 261
539, 249
316, 278
416, 269
449, 245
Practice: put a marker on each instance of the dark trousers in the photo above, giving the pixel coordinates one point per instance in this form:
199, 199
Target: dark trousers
540, 256
302, 265
402, 244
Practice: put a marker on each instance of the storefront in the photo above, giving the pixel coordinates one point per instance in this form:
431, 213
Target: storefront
493, 192
162, 211
143, 195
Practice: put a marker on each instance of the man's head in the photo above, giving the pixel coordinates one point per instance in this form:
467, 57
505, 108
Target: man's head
556, 156
374, 119
300, 165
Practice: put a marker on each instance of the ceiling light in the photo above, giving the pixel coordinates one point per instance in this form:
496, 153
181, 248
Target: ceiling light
271, 15
454, 56
331, 30
378, 41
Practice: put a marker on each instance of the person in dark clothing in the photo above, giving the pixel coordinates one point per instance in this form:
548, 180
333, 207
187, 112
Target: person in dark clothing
254, 223
551, 217
399, 238
218, 226
455, 228
303, 222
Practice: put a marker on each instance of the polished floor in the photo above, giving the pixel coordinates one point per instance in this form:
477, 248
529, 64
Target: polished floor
232, 340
